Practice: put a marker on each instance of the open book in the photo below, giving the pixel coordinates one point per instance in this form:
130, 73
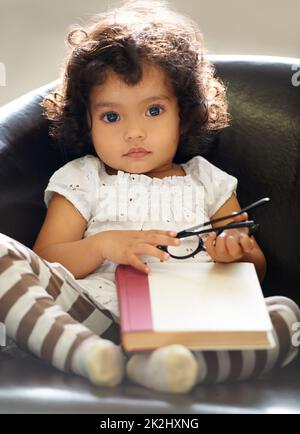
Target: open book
206, 306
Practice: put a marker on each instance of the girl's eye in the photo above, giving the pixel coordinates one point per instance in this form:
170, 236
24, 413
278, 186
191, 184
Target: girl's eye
155, 110
111, 117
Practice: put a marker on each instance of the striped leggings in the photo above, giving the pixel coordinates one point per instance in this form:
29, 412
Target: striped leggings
47, 315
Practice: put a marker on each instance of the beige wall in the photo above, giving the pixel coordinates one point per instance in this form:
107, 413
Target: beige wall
32, 33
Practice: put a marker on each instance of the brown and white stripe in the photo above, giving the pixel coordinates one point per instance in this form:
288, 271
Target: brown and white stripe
42, 310
221, 366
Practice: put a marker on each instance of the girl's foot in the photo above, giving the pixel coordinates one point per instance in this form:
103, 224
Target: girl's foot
168, 369
102, 362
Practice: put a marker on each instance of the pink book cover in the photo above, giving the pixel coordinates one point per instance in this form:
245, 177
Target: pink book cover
134, 300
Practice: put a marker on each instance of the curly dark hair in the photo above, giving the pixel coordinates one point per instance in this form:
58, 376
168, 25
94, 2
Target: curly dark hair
123, 40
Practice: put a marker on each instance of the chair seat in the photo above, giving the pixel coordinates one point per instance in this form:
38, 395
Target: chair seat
33, 387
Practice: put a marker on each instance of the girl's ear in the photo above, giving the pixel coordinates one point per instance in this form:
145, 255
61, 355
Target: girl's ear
183, 129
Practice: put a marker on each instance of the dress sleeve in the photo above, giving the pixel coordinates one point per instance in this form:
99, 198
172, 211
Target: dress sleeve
76, 182
218, 185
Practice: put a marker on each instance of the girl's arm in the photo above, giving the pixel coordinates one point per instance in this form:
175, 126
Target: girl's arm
234, 245
60, 239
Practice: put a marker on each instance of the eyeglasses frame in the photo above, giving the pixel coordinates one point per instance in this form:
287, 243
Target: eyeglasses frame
218, 229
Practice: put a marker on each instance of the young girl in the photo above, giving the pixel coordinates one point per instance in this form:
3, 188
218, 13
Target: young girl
137, 99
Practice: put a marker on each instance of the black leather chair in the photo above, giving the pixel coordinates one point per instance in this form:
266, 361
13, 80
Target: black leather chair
261, 148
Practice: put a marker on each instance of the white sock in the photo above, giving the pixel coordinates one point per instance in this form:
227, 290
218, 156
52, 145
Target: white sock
101, 361
168, 369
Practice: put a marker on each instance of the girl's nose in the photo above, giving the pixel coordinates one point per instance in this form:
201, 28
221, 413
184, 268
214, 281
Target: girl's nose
135, 133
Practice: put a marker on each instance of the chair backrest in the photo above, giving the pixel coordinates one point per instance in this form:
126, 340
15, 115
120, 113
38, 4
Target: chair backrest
261, 148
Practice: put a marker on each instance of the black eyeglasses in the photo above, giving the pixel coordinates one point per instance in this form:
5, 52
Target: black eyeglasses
194, 244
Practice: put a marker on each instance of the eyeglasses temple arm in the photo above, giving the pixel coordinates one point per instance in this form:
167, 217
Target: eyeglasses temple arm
246, 224
247, 208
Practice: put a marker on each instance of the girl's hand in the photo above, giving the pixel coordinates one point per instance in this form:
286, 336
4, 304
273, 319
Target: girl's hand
231, 245
125, 247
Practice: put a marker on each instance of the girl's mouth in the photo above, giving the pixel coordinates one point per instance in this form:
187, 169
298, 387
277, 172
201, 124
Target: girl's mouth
138, 154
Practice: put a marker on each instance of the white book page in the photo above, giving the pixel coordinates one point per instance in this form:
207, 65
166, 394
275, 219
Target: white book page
207, 296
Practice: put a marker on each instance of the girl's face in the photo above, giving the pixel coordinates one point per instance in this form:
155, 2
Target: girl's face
126, 118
